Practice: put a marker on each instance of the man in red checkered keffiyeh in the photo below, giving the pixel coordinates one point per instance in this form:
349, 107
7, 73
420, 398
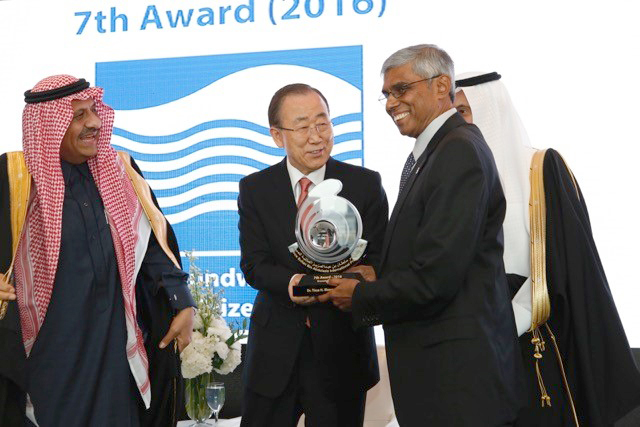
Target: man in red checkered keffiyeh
66, 141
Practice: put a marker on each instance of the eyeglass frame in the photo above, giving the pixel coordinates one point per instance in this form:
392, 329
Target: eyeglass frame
402, 89
308, 127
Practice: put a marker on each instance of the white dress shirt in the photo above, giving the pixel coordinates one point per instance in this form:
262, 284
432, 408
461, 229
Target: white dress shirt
316, 177
425, 137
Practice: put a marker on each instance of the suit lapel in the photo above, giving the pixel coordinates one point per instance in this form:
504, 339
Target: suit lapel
332, 170
284, 206
451, 123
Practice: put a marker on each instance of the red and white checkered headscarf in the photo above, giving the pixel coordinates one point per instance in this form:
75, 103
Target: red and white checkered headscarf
44, 125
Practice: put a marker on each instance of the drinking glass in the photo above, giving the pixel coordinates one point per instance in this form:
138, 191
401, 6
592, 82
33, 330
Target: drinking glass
215, 398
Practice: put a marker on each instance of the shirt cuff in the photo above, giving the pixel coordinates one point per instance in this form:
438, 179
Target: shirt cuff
523, 318
522, 307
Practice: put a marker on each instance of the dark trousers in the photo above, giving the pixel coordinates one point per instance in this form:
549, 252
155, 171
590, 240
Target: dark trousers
303, 394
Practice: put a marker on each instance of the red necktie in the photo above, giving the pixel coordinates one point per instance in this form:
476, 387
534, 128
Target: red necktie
304, 189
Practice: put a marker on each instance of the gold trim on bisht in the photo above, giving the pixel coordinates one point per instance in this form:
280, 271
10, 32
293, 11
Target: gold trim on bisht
19, 192
541, 303
541, 306
156, 218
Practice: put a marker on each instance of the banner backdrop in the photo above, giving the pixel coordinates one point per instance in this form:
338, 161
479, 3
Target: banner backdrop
194, 160
191, 80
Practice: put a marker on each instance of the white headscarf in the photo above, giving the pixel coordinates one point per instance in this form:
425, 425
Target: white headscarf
494, 113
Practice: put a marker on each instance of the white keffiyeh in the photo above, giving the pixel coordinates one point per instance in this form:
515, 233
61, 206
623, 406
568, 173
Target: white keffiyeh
496, 117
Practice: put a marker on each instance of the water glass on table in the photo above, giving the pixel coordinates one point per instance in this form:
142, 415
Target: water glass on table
215, 398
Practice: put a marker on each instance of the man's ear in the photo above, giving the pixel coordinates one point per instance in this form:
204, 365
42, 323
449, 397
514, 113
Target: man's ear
443, 86
276, 134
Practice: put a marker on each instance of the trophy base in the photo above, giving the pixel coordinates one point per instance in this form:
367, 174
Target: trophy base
311, 285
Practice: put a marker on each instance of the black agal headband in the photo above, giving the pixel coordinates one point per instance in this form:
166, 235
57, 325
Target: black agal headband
478, 80
31, 97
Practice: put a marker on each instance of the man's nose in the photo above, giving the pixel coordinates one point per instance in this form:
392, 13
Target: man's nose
93, 120
392, 102
314, 135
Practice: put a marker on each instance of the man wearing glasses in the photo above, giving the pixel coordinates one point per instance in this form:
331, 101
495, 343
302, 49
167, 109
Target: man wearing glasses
303, 357
442, 294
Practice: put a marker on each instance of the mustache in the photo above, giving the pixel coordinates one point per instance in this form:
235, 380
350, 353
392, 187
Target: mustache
89, 131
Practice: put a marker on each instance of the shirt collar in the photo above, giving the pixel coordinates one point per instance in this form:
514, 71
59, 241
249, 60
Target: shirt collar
425, 137
71, 172
316, 177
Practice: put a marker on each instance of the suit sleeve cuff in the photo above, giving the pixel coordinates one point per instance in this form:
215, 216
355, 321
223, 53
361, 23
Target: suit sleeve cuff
175, 285
362, 315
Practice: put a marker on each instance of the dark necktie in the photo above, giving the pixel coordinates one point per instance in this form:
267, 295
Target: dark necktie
406, 171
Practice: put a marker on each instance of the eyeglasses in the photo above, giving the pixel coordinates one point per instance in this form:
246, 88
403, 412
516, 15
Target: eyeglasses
400, 89
305, 131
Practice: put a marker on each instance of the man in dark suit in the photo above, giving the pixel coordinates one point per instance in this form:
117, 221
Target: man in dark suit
303, 357
442, 296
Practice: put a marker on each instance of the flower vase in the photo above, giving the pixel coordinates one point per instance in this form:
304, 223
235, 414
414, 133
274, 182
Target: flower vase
196, 399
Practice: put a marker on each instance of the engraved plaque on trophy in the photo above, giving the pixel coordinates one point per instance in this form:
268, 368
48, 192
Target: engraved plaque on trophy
328, 234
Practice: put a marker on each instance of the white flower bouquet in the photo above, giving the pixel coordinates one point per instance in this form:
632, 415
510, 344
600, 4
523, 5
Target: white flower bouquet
214, 345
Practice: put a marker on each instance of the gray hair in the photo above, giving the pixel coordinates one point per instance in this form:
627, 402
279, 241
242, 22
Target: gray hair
427, 60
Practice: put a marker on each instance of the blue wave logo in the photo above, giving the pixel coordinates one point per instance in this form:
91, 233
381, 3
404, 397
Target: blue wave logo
197, 170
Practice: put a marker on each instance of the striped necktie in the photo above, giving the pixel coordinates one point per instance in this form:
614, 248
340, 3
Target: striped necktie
304, 189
